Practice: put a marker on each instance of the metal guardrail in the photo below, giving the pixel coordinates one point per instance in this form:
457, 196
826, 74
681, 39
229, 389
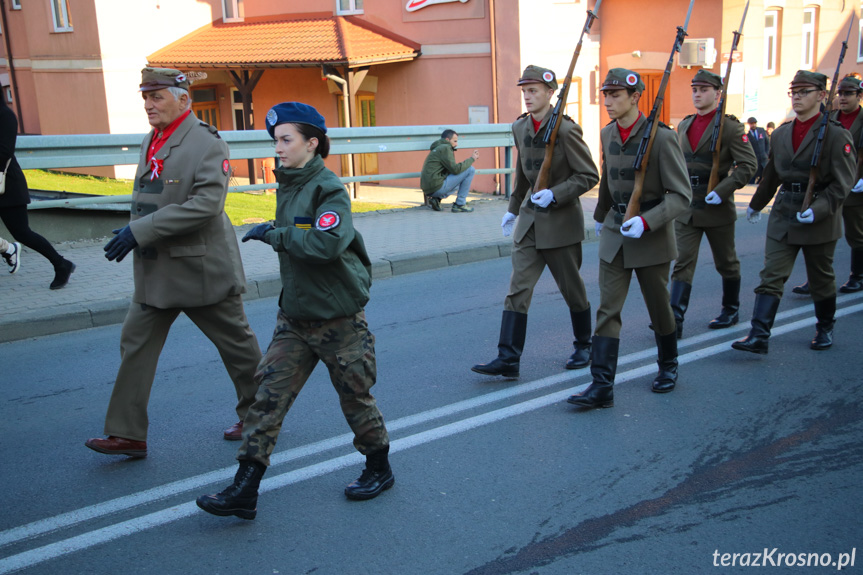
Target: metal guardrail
89, 150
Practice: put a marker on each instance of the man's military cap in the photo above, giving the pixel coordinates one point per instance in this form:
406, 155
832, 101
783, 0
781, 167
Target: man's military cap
537, 75
294, 113
161, 78
621, 78
807, 78
706, 78
850, 83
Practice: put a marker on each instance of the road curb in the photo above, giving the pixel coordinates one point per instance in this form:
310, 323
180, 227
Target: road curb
75, 317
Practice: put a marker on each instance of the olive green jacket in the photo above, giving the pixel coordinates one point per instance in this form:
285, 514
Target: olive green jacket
324, 267
737, 164
440, 163
666, 192
785, 166
572, 174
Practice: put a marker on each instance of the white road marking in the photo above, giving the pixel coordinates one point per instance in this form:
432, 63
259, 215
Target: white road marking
155, 519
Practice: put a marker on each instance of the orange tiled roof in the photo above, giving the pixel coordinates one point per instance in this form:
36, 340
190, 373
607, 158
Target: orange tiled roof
286, 43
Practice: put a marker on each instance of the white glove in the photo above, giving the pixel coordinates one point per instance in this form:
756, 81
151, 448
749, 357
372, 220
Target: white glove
632, 228
806, 217
713, 199
858, 187
507, 224
597, 228
753, 216
542, 198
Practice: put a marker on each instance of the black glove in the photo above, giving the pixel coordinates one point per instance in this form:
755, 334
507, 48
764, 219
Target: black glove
258, 232
120, 245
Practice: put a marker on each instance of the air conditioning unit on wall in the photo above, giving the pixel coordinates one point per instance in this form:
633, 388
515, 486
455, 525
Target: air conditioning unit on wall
697, 52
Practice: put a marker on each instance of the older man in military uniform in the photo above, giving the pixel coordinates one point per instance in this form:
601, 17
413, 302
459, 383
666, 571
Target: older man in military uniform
849, 93
186, 259
549, 224
643, 244
791, 228
712, 212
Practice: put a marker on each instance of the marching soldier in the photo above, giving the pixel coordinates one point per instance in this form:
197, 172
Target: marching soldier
643, 244
814, 230
712, 212
550, 225
849, 94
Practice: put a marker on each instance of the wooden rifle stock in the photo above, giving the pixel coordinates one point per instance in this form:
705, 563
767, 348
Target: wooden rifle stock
822, 130
553, 126
719, 121
633, 208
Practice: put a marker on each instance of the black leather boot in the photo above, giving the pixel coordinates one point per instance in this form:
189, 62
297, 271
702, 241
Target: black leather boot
603, 366
762, 321
825, 312
375, 478
513, 326
241, 497
666, 379
730, 305
802, 289
680, 303
62, 271
581, 332
855, 281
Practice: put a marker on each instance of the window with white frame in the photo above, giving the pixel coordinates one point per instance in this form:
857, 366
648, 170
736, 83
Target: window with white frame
860, 35
231, 11
16, 4
60, 12
808, 45
345, 7
771, 42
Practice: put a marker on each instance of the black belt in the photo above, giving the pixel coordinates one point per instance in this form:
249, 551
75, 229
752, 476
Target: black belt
621, 208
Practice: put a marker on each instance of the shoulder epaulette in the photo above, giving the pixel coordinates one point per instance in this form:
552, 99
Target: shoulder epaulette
836, 123
522, 116
687, 117
788, 121
568, 118
732, 117
610, 123
663, 125
213, 129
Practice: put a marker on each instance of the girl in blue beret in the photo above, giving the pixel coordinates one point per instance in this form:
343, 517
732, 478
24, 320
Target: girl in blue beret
326, 276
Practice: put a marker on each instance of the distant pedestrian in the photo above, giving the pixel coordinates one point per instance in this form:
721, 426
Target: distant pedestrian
326, 275
760, 145
11, 252
13, 203
186, 260
547, 225
441, 175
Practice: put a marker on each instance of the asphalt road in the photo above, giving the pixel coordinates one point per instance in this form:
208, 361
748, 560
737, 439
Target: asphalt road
749, 453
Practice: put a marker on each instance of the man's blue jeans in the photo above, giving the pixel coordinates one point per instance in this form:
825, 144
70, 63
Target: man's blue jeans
461, 181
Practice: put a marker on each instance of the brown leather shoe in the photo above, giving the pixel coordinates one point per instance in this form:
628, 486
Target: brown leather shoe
118, 446
235, 432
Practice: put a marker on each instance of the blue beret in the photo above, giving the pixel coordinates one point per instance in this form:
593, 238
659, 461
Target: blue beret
294, 113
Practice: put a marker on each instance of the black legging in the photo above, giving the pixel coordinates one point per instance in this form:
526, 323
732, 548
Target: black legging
16, 221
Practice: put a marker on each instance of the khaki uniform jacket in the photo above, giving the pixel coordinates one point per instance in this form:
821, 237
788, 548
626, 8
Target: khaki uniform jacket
785, 166
856, 129
573, 173
666, 182
734, 147
187, 254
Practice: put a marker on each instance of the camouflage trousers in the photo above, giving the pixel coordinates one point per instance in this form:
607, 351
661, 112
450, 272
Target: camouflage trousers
347, 348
